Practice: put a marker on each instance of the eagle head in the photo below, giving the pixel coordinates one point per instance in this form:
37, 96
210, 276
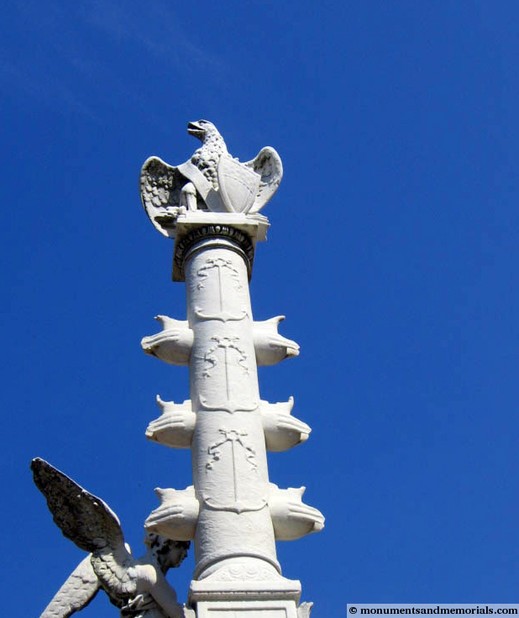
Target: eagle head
202, 129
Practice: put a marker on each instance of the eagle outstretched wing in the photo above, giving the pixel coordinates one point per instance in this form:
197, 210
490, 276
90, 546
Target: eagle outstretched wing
90, 523
80, 588
268, 165
160, 186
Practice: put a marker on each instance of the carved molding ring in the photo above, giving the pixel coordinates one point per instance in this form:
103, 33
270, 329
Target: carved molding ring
241, 244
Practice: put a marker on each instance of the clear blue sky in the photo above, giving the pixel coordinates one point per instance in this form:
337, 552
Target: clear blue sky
393, 252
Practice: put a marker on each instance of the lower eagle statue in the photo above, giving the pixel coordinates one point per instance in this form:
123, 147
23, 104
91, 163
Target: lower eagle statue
138, 587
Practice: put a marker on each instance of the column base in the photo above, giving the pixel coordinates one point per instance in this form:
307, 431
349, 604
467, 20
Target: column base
245, 589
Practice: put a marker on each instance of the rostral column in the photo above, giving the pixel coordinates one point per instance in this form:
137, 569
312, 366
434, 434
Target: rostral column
210, 206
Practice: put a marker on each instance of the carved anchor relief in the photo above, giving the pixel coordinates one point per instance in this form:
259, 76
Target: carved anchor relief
228, 345
220, 265
235, 440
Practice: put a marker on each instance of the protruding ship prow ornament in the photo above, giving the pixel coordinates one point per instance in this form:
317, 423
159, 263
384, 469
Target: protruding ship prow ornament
282, 430
270, 346
177, 515
175, 426
173, 344
211, 180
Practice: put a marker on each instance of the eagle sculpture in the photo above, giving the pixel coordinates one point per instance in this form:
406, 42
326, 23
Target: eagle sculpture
211, 180
138, 587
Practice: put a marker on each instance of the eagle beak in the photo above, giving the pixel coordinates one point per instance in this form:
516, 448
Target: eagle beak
193, 128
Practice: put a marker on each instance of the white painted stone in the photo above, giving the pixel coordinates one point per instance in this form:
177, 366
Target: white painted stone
247, 609
282, 431
270, 346
173, 344
175, 426
228, 450
232, 511
177, 516
292, 518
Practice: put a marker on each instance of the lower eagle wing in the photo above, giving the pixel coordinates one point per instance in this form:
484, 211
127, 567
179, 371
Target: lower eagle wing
268, 165
160, 186
90, 523
83, 518
76, 593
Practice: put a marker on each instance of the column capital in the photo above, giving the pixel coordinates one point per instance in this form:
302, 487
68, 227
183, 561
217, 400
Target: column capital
236, 231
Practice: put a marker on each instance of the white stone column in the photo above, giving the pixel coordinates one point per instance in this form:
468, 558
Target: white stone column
228, 451
232, 511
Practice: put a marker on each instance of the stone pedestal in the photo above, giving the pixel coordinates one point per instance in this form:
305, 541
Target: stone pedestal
247, 609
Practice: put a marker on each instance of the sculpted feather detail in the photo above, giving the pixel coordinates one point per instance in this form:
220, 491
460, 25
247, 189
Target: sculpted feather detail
270, 169
79, 589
